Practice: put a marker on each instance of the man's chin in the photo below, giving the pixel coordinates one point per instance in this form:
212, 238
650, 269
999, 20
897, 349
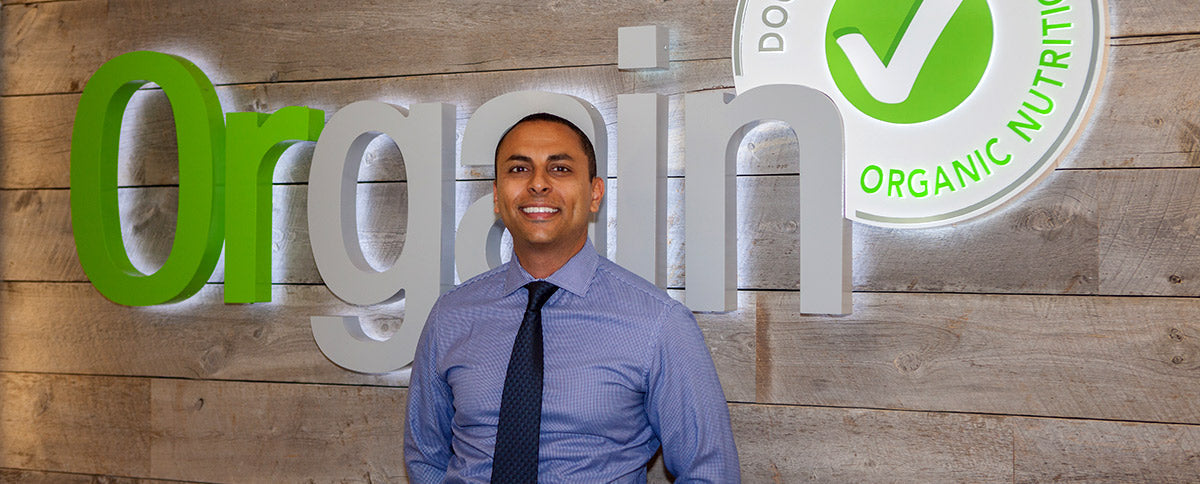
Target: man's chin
548, 243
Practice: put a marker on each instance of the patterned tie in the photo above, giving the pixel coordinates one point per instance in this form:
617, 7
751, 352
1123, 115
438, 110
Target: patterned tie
516, 456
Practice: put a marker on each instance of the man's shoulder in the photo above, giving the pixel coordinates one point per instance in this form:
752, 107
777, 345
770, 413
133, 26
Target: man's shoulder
484, 284
622, 277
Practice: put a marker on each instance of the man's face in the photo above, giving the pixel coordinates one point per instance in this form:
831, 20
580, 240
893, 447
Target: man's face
543, 191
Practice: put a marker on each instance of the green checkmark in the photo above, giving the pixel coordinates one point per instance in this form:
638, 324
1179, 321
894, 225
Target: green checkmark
908, 61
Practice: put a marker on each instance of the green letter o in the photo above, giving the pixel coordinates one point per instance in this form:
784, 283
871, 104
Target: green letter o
200, 133
863, 179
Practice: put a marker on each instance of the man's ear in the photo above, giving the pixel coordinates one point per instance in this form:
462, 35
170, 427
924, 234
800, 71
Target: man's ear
495, 199
597, 193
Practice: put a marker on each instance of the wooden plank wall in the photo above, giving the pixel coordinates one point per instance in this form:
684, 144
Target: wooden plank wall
1057, 339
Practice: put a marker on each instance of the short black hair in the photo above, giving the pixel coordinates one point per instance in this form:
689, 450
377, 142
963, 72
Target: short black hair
584, 141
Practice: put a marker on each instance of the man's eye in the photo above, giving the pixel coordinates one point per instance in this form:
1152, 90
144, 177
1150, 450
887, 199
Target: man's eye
561, 168
516, 169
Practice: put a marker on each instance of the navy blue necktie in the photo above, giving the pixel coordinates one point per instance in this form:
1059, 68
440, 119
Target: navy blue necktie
517, 434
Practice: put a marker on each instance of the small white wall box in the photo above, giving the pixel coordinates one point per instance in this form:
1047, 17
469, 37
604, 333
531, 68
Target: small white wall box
642, 47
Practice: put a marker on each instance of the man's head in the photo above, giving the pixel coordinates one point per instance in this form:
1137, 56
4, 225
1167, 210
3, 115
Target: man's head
584, 142
546, 188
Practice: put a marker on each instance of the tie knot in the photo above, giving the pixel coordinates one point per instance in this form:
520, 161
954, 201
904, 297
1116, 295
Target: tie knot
539, 293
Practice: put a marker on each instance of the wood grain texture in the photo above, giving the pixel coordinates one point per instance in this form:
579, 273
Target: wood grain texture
1133, 18
251, 431
269, 432
42, 330
778, 444
70, 424
35, 235
52, 47
35, 141
20, 476
1080, 451
22, 2
1044, 244
1150, 232
1094, 357
388, 39
201, 430
731, 342
1145, 116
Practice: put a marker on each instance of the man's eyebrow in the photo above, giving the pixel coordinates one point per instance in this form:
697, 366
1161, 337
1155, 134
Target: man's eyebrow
519, 157
560, 157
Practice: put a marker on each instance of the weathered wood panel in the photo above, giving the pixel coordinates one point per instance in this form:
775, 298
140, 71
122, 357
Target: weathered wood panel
1145, 118
1090, 357
780, 444
35, 141
18, 2
202, 431
253, 431
18, 476
36, 226
1116, 358
269, 432
1150, 232
51, 47
70, 424
806, 444
1131, 17
1049, 450
731, 342
1046, 243
42, 330
388, 39
1042, 242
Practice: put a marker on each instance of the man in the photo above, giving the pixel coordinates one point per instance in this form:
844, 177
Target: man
618, 367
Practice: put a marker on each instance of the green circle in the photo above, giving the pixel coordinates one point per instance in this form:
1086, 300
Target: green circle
949, 74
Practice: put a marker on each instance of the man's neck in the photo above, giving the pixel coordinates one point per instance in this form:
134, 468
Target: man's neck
541, 262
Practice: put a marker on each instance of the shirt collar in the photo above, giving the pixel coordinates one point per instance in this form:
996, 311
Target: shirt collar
574, 276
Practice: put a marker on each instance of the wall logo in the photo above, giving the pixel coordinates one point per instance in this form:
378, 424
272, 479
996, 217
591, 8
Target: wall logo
951, 107
227, 162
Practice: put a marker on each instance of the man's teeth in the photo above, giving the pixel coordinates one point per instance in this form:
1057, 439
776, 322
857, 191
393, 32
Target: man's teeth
539, 210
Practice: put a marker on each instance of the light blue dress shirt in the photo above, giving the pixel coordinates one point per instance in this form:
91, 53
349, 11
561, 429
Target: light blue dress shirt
626, 369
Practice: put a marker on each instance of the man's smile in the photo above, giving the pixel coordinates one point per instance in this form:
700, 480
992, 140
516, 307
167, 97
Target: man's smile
539, 211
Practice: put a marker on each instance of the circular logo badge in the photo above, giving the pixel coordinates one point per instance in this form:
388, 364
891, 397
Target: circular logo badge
951, 107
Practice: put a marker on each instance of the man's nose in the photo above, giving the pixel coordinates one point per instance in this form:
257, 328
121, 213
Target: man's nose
540, 182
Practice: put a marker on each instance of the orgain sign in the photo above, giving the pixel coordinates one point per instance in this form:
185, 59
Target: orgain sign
226, 165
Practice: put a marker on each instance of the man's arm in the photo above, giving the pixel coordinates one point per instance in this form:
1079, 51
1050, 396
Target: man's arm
686, 405
427, 430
